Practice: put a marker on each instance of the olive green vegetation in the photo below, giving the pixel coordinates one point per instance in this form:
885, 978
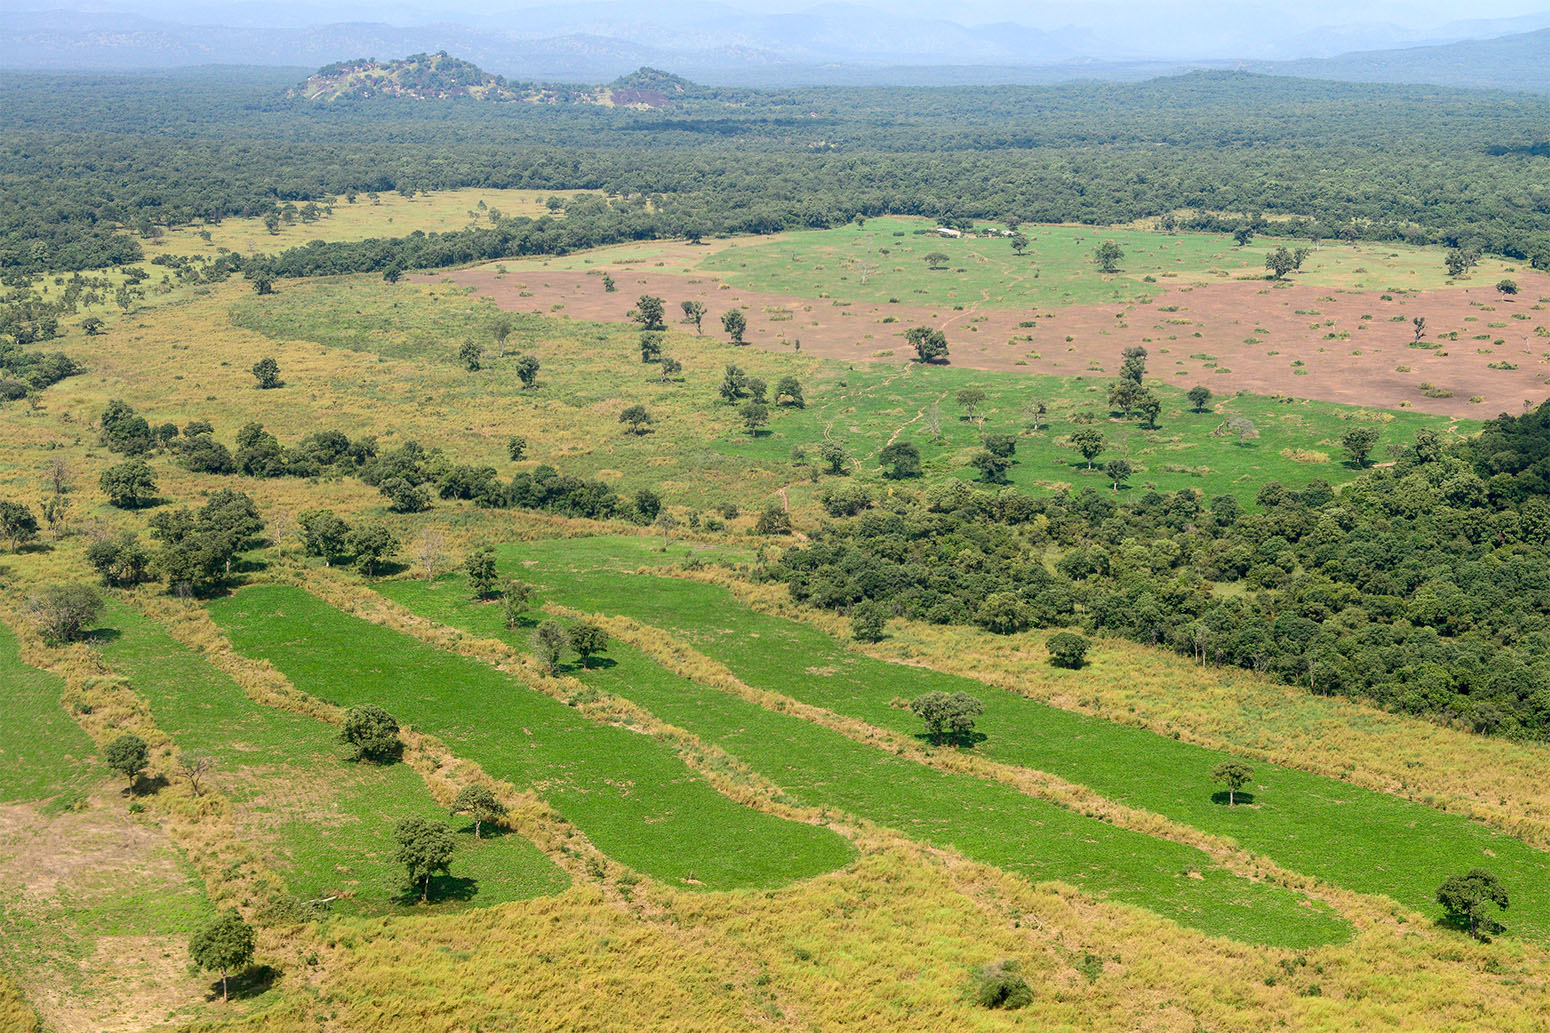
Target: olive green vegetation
44, 755
1315, 825
326, 823
884, 260
699, 452
985, 820
628, 792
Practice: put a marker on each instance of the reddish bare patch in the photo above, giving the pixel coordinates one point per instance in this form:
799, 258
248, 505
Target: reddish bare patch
1226, 315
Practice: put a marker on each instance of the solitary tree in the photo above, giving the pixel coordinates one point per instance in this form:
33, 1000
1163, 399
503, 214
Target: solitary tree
1066, 649
1132, 364
64, 612
1019, 243
1199, 397
425, 847
480, 803
1234, 774
788, 392
735, 324
480, 566
648, 312
1419, 322
650, 346
1242, 235
900, 460
516, 447
471, 355
588, 640
550, 641
694, 312
937, 259
1507, 287
17, 523
372, 733
1280, 262
92, 325
930, 345
755, 415
947, 715
1108, 256
1034, 409
970, 399
1118, 471
130, 484
670, 368
1359, 442
1089, 442
1150, 407
267, 371
514, 597
836, 458
128, 755
501, 329
636, 419
527, 371
869, 622
194, 767
372, 544
1469, 899
224, 945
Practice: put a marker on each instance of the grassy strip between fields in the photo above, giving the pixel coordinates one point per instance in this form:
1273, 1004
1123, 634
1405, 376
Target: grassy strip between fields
327, 823
44, 756
632, 797
985, 820
1351, 837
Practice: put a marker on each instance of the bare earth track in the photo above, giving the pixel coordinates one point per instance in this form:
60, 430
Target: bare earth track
1307, 342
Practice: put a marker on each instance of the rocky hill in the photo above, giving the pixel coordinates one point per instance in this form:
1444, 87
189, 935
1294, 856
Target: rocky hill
440, 76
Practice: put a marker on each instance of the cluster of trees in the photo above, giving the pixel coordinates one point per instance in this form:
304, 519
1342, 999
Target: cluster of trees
1420, 586
94, 166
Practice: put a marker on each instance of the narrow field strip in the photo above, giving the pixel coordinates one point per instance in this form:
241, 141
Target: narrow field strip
633, 798
985, 820
44, 756
326, 823
1347, 836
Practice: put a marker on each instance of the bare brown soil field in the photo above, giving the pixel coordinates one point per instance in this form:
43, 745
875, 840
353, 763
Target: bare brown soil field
1246, 335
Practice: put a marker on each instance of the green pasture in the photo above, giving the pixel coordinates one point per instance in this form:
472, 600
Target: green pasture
44, 755
884, 261
631, 795
985, 820
1311, 824
326, 822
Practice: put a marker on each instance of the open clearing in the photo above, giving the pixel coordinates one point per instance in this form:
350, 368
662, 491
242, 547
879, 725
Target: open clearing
1332, 333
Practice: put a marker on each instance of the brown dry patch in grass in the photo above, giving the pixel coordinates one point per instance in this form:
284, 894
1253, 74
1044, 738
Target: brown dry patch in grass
55, 866
1225, 315
1502, 783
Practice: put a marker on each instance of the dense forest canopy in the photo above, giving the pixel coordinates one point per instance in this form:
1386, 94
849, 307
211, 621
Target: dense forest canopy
89, 163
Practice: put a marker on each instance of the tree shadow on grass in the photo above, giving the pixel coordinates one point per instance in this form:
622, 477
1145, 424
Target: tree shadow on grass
957, 740
444, 889
102, 636
1242, 798
246, 985
489, 832
597, 663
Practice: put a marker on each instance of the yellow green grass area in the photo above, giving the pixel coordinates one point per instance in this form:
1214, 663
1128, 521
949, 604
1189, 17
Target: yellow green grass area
1315, 825
884, 260
628, 792
326, 823
389, 214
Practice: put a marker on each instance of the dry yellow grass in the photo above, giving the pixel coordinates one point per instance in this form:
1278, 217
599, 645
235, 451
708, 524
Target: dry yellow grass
16, 1015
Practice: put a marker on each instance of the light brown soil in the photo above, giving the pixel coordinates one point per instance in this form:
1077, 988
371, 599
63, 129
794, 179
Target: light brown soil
1203, 339
57, 865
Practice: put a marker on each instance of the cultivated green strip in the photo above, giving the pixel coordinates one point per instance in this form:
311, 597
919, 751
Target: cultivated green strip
43, 754
629, 793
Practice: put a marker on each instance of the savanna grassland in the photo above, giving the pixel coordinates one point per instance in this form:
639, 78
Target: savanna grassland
670, 602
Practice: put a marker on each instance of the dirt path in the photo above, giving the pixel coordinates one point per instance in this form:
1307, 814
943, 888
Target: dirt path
1234, 335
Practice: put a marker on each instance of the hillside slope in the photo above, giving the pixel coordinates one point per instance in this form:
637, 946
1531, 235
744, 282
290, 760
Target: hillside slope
1515, 62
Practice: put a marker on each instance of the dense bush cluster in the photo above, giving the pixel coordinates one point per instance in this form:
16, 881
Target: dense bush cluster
1424, 586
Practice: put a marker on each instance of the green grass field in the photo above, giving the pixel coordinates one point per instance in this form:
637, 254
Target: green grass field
987, 821
326, 823
889, 254
699, 453
628, 792
1317, 826
44, 755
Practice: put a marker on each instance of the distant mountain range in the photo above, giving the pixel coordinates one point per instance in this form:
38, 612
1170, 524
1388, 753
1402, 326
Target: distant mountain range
839, 43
